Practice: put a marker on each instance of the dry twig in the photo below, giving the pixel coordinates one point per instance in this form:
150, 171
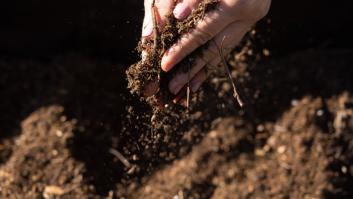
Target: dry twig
120, 157
188, 90
229, 75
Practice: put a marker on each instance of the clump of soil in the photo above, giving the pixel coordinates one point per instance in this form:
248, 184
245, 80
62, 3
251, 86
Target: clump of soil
42, 165
148, 70
301, 119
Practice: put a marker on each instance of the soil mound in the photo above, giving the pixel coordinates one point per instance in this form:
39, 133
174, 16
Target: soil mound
296, 142
299, 158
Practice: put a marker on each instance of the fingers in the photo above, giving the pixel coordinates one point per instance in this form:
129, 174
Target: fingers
233, 34
232, 19
164, 8
197, 81
147, 26
195, 84
211, 25
184, 8
179, 81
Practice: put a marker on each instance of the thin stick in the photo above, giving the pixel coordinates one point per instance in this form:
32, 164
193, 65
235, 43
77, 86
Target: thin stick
188, 90
155, 27
120, 157
235, 92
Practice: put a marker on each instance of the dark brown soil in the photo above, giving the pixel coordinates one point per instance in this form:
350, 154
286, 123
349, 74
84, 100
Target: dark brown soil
59, 124
148, 70
69, 127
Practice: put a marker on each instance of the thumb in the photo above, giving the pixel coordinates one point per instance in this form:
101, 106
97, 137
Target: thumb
147, 26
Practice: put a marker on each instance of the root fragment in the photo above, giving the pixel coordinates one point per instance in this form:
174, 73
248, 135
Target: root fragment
155, 28
188, 90
229, 75
120, 156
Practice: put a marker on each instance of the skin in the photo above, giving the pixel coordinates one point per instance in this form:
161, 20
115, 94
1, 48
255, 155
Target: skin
231, 21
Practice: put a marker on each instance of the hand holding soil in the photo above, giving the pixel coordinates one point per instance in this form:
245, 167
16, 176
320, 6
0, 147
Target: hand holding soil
230, 20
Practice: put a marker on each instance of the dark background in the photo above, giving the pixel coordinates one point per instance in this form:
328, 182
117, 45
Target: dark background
110, 28
38, 28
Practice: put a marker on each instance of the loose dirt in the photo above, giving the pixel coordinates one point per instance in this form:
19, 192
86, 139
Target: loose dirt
61, 123
69, 128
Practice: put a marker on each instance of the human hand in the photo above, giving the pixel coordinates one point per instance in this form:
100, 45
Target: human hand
229, 21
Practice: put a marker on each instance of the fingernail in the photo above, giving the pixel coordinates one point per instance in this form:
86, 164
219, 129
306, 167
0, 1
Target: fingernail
165, 62
181, 11
147, 27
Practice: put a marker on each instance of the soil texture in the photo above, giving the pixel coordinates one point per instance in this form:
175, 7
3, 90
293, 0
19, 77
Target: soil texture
69, 129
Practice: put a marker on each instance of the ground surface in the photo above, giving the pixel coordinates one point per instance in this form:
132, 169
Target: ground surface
60, 119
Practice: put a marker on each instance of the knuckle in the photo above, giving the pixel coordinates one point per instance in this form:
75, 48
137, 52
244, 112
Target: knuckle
191, 42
